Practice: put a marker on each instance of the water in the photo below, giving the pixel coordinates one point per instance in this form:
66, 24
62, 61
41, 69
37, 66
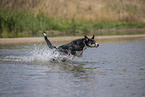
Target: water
114, 69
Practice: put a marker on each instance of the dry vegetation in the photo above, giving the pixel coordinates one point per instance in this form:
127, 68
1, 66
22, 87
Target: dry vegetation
95, 10
96, 13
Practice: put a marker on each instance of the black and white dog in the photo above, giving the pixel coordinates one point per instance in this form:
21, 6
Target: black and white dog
74, 48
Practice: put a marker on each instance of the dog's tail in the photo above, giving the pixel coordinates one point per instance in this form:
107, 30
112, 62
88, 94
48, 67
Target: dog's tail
48, 42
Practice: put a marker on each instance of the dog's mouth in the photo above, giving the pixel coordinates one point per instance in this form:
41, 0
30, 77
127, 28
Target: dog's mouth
94, 45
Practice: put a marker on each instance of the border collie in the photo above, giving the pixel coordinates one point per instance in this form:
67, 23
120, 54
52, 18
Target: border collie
74, 48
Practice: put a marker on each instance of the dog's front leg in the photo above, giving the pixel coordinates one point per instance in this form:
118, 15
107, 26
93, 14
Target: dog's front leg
80, 54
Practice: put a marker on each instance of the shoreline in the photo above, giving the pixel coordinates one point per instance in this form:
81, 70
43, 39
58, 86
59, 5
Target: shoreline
61, 38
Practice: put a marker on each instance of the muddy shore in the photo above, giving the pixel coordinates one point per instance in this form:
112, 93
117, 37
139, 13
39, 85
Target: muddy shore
63, 38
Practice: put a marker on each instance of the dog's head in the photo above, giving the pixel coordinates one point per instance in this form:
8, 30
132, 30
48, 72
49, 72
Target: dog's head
90, 42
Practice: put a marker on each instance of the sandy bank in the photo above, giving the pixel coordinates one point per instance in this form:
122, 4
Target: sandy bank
63, 38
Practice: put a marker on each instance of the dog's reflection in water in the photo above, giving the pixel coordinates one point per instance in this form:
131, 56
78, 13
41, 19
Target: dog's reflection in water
68, 65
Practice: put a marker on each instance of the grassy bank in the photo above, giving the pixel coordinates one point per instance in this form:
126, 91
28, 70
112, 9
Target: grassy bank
23, 18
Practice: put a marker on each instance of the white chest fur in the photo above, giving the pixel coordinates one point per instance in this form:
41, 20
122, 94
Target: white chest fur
79, 53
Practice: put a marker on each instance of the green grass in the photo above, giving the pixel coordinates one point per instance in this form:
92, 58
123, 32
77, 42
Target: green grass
28, 18
27, 24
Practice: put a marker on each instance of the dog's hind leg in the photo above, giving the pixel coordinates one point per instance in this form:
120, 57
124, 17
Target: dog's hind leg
70, 57
48, 42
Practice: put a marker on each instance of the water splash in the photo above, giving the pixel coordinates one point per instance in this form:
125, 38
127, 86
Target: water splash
43, 53
35, 53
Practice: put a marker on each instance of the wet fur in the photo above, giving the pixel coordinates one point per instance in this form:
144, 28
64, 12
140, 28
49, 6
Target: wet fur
74, 48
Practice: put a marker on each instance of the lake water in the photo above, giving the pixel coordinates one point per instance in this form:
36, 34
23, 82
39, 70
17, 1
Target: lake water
115, 69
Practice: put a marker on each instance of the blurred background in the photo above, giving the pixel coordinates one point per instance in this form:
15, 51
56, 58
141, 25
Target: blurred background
29, 18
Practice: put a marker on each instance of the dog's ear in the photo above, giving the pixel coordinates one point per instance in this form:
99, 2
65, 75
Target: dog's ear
93, 37
86, 38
